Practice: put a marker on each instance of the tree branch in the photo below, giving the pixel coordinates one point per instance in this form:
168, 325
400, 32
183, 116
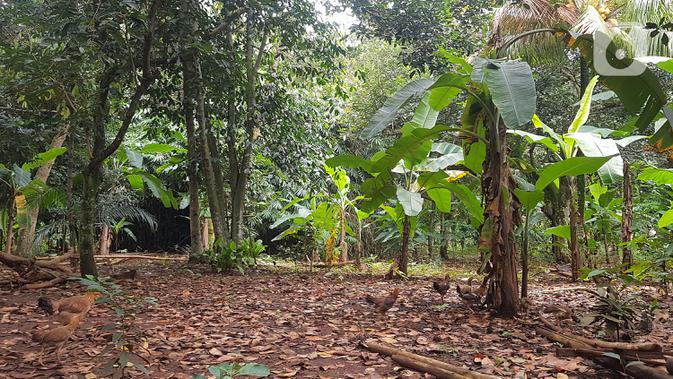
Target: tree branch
147, 79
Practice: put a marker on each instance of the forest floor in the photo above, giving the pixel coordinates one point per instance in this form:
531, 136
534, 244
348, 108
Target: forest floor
302, 324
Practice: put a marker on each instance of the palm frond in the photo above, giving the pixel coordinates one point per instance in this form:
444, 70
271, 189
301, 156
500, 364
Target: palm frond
112, 213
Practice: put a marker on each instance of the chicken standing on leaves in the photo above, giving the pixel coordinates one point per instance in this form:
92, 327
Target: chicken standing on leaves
383, 303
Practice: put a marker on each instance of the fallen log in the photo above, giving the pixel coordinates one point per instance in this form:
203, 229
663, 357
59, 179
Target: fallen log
426, 368
50, 271
643, 346
140, 256
646, 358
391, 351
635, 369
335, 264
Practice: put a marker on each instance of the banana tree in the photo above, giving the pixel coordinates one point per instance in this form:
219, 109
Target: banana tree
16, 182
410, 171
582, 150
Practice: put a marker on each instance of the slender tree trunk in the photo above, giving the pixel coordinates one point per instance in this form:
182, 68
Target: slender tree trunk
500, 217
575, 257
216, 213
524, 258
404, 252
444, 245
343, 245
11, 216
188, 101
627, 217
358, 247
105, 240
431, 229
245, 163
216, 158
27, 235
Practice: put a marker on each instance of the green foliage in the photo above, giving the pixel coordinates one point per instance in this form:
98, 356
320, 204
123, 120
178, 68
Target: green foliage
226, 257
128, 339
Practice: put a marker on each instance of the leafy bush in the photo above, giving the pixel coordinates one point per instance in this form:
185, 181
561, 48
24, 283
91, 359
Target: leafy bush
226, 257
127, 337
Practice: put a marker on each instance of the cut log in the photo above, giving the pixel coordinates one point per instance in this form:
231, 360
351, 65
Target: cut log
335, 264
390, 351
47, 284
426, 368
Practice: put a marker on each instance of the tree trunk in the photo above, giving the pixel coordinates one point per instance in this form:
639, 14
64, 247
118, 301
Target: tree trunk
11, 216
207, 226
27, 235
444, 245
431, 232
87, 227
358, 247
404, 252
105, 240
343, 245
573, 244
501, 214
627, 217
524, 258
216, 213
188, 101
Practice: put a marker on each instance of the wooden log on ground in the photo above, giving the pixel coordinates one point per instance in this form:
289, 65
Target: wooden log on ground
626, 356
639, 371
335, 264
426, 368
643, 346
47, 284
140, 256
390, 351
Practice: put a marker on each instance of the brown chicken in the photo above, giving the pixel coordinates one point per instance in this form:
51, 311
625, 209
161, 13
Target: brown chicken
442, 287
73, 304
472, 295
58, 335
383, 303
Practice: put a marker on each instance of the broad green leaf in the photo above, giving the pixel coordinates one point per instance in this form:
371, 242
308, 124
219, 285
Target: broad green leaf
539, 124
474, 159
386, 115
666, 66
469, 200
136, 182
42, 158
255, 370
624, 142
597, 190
442, 199
529, 199
513, 91
412, 202
445, 90
21, 176
446, 148
666, 219
593, 146
534, 138
161, 148
351, 161
376, 191
657, 175
412, 148
642, 94
585, 107
569, 167
425, 116
442, 162
562, 231
457, 60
